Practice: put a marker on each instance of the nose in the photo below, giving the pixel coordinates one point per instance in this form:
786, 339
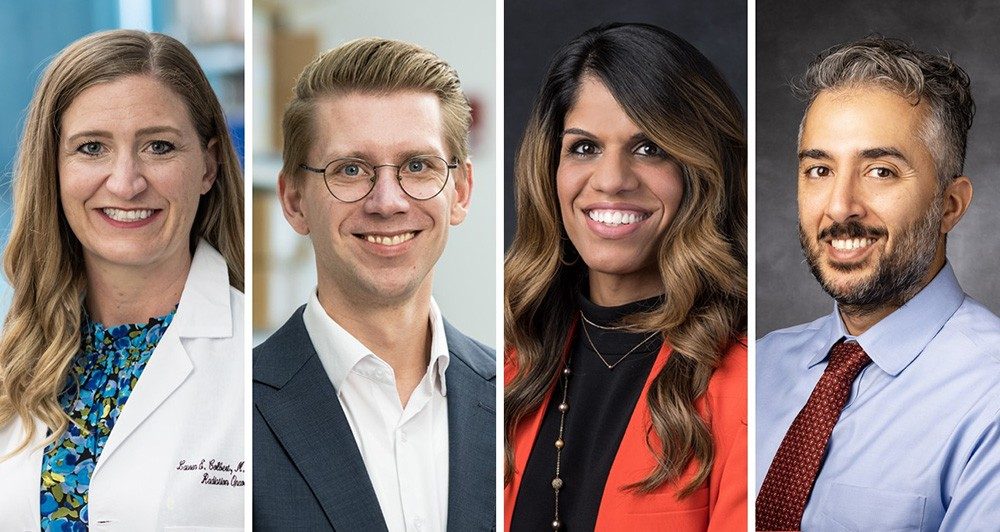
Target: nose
126, 180
387, 197
845, 199
613, 174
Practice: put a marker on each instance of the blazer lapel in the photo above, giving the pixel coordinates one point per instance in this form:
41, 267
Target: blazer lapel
471, 435
203, 311
167, 368
305, 415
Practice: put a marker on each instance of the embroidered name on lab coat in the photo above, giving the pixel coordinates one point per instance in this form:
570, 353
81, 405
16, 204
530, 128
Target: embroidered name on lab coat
214, 472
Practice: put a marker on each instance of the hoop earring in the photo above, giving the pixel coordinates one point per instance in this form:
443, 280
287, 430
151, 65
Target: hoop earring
563, 261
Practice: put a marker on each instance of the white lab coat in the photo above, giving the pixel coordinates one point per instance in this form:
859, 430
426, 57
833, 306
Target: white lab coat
160, 468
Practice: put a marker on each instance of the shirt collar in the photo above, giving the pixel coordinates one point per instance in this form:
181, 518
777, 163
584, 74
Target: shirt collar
340, 352
204, 310
895, 341
440, 357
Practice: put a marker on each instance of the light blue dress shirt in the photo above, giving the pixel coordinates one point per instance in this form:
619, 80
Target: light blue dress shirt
917, 446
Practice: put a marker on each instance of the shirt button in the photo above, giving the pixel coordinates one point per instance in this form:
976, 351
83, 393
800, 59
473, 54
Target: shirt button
418, 523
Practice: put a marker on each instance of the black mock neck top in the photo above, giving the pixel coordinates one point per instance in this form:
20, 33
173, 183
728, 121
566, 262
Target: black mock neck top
601, 402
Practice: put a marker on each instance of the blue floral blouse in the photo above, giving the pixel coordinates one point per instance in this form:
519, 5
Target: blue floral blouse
99, 382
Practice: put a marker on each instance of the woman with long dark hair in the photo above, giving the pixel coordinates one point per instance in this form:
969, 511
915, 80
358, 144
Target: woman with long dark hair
625, 293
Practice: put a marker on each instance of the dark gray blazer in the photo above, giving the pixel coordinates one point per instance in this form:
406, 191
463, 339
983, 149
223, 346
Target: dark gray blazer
307, 471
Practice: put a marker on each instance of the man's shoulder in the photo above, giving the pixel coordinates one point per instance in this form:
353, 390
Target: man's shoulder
976, 324
780, 351
277, 354
792, 337
476, 355
975, 319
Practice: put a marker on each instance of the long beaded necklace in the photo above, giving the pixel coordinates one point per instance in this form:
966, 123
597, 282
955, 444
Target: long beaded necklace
557, 481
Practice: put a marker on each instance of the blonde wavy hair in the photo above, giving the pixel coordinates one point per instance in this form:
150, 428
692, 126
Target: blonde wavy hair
679, 100
373, 65
44, 260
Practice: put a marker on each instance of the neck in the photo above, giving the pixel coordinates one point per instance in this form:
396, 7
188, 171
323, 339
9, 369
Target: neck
119, 294
857, 321
398, 332
610, 290
859, 318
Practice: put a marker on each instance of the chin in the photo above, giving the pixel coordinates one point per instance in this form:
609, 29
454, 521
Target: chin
386, 286
841, 284
612, 263
123, 255
137, 253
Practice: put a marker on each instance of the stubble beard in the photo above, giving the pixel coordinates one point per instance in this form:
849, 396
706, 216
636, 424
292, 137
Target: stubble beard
898, 275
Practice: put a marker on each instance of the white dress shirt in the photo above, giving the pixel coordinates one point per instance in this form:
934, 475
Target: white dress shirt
405, 450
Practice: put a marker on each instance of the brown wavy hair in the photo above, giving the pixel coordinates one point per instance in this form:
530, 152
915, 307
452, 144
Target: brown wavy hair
44, 259
680, 101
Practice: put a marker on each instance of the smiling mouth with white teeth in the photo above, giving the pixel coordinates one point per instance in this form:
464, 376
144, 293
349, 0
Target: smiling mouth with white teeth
616, 218
126, 215
389, 240
849, 244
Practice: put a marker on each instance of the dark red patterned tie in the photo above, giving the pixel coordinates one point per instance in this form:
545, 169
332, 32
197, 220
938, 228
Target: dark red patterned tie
789, 480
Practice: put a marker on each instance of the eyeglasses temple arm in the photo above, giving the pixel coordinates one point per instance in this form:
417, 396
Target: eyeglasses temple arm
311, 169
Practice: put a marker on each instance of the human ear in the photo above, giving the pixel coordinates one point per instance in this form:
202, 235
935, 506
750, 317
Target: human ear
957, 197
463, 193
290, 197
211, 166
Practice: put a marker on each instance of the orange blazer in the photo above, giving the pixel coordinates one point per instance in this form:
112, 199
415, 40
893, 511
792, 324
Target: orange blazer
718, 505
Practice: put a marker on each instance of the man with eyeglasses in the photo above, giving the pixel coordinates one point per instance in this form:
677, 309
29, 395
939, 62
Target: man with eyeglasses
370, 411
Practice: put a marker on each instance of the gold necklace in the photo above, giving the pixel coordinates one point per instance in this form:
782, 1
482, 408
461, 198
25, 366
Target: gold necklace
557, 481
604, 360
604, 327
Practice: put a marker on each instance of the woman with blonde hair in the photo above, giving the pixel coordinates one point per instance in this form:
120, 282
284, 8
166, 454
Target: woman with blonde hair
625, 293
121, 357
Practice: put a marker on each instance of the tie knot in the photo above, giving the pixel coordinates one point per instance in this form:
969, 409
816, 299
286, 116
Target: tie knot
848, 357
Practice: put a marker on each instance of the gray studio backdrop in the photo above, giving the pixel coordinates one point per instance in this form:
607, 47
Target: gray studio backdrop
789, 36
534, 30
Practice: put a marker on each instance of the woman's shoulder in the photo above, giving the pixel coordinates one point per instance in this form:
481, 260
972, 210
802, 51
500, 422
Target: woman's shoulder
733, 365
509, 364
727, 389
236, 302
13, 432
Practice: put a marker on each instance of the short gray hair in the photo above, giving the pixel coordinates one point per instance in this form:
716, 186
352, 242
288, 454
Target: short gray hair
916, 75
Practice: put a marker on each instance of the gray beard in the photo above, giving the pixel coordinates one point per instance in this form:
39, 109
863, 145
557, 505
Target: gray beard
898, 276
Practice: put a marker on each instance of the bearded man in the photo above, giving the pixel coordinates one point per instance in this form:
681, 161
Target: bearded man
882, 415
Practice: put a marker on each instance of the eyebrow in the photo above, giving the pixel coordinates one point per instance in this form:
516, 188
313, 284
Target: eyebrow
153, 130
876, 153
813, 154
402, 156
867, 153
584, 133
